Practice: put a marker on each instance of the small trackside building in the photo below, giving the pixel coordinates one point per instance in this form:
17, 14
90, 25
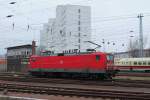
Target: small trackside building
3, 65
18, 57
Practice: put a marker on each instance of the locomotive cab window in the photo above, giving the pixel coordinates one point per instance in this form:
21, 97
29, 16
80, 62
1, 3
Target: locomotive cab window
97, 57
110, 57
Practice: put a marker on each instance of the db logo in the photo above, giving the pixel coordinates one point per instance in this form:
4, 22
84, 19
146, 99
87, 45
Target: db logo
61, 62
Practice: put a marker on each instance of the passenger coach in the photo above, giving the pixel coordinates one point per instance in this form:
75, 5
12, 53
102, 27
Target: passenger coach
133, 64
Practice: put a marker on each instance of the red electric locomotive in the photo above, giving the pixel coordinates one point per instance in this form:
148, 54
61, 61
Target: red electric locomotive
90, 65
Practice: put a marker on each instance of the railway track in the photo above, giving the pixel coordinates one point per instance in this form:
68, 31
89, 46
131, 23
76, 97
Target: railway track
135, 74
117, 83
36, 89
10, 86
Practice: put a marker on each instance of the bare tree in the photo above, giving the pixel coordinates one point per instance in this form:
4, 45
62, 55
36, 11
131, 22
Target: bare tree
133, 47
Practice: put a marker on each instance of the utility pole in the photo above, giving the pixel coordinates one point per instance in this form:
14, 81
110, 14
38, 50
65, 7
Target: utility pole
131, 47
103, 45
79, 29
79, 46
140, 16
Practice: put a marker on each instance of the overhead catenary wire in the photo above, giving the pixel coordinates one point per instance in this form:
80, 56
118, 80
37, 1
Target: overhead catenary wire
75, 23
104, 20
31, 28
108, 19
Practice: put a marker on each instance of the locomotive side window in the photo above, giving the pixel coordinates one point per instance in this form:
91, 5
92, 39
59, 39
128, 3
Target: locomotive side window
97, 57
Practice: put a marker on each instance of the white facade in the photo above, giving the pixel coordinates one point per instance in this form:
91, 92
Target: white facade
70, 30
45, 35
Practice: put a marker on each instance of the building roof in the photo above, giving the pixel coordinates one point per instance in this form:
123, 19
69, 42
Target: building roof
21, 46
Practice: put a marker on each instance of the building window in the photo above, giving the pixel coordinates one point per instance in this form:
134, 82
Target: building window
79, 40
79, 22
22, 53
64, 34
79, 29
70, 33
79, 16
27, 52
51, 31
79, 10
60, 31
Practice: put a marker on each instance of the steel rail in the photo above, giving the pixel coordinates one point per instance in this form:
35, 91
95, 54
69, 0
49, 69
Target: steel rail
121, 83
26, 88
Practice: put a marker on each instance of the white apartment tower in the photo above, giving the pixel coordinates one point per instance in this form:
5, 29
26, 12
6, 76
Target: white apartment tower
45, 35
69, 30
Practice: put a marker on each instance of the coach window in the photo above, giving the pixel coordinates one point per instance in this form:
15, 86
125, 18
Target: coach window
144, 63
135, 63
79, 10
139, 63
130, 63
148, 63
97, 57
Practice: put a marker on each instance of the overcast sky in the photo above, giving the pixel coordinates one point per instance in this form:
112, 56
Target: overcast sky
112, 20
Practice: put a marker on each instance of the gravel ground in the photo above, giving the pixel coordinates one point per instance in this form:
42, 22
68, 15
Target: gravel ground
116, 88
58, 97
47, 97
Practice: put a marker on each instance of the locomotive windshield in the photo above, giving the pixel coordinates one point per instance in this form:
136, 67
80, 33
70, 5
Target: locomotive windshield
110, 57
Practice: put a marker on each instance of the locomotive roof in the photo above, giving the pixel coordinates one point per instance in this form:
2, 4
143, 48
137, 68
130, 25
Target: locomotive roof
82, 53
